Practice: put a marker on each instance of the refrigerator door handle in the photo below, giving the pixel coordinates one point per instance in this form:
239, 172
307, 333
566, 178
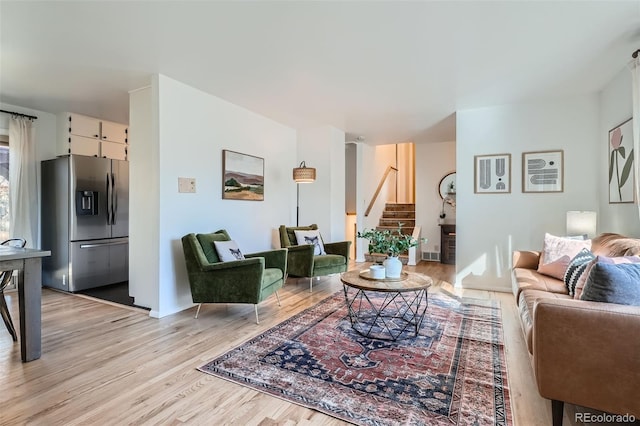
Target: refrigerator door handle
114, 200
108, 201
112, 243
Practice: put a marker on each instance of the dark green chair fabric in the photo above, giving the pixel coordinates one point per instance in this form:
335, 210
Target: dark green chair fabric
301, 261
240, 281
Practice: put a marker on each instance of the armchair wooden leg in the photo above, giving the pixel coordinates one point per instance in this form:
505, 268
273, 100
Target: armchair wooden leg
278, 297
255, 307
198, 311
557, 407
311, 285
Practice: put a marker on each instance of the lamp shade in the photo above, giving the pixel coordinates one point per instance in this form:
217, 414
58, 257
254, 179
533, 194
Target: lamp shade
581, 223
304, 174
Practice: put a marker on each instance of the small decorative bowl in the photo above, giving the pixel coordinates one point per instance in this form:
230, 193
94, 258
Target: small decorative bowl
377, 271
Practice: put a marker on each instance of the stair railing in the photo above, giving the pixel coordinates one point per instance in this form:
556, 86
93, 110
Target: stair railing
375, 195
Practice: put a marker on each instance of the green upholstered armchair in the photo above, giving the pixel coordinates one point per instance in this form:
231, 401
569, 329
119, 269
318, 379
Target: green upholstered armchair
301, 261
250, 280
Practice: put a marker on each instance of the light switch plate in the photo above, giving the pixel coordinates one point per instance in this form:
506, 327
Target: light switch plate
186, 184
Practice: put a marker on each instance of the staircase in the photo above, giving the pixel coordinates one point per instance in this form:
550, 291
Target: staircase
393, 214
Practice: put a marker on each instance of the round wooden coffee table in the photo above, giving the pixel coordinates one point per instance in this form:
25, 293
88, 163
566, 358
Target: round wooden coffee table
386, 309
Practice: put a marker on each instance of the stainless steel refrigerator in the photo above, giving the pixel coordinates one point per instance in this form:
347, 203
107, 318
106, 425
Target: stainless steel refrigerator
85, 222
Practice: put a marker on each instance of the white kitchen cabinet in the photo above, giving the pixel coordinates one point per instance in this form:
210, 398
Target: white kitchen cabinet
82, 135
114, 132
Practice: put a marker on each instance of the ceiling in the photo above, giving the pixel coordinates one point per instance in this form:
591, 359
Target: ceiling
389, 71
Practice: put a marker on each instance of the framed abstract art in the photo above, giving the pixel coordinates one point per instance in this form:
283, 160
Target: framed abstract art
492, 174
543, 171
621, 180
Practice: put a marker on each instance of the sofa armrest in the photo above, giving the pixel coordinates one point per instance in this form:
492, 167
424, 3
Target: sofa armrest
272, 259
341, 248
526, 259
588, 353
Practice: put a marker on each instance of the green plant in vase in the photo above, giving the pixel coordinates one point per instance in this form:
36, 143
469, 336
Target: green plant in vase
392, 244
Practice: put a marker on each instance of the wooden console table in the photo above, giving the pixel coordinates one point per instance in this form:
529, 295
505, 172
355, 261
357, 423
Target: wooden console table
28, 262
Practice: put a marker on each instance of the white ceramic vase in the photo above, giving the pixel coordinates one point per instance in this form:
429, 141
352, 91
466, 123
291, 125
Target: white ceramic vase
392, 267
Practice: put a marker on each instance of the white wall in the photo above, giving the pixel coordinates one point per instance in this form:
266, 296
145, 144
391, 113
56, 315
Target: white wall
375, 160
323, 201
193, 129
433, 162
490, 226
45, 131
615, 108
144, 197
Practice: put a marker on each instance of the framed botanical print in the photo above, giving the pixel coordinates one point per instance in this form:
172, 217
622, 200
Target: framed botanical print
621, 180
492, 174
242, 176
543, 171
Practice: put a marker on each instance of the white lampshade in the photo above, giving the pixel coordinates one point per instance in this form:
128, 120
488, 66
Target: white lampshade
581, 223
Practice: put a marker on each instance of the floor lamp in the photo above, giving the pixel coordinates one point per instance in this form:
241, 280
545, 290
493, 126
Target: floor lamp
302, 174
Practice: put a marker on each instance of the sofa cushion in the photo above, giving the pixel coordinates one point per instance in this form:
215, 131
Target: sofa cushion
613, 283
557, 252
531, 279
575, 269
600, 259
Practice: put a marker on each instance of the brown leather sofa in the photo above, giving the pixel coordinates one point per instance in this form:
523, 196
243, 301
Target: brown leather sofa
584, 353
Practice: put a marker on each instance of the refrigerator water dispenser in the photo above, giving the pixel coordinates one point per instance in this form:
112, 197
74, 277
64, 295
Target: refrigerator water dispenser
86, 203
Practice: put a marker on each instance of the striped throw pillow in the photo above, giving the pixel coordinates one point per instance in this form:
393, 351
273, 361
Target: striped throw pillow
576, 268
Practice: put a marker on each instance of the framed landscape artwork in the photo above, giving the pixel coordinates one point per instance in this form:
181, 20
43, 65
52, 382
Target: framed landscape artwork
242, 176
543, 171
492, 174
621, 180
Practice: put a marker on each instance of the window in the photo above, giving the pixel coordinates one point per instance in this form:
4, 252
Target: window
4, 187
4, 195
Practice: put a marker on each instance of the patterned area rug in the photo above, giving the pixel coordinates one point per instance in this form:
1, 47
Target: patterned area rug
453, 372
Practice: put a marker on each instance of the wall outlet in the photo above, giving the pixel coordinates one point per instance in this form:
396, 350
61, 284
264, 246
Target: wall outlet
186, 184
436, 247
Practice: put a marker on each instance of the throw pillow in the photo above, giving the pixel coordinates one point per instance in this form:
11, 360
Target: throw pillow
575, 269
311, 237
228, 251
613, 283
557, 252
600, 259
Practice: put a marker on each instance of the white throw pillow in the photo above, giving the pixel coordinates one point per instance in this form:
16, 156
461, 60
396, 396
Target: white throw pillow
228, 250
311, 237
557, 254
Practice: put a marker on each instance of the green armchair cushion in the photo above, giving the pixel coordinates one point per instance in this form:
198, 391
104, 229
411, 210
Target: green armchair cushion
208, 247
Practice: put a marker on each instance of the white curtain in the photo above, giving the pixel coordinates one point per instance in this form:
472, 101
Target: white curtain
23, 192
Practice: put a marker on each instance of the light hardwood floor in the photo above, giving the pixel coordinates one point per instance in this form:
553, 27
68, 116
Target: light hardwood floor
105, 364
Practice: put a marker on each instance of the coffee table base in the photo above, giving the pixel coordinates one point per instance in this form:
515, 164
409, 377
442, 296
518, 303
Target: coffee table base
397, 316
